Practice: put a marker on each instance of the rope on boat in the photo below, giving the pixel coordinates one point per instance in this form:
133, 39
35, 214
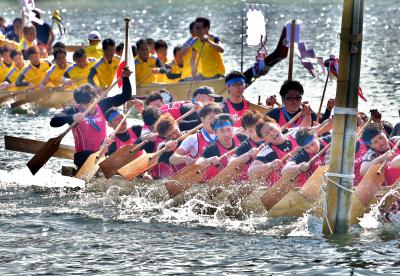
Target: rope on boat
324, 187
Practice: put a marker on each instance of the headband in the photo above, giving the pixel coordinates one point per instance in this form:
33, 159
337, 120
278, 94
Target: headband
113, 115
235, 80
308, 140
222, 124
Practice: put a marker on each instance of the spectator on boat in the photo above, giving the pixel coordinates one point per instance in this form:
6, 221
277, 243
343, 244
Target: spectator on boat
147, 67
91, 131
104, 70
28, 40
226, 141
311, 146
55, 75
44, 33
15, 71
206, 94
380, 150
236, 105
186, 54
279, 146
16, 32
6, 64
209, 49
152, 49
94, 50
79, 71
193, 146
119, 49
292, 93
33, 74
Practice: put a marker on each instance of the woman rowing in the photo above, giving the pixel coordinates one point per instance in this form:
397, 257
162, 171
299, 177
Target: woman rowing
226, 141
90, 133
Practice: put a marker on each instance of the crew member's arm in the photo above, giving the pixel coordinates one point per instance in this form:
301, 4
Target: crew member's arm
367, 161
91, 76
216, 45
20, 80
180, 156
67, 116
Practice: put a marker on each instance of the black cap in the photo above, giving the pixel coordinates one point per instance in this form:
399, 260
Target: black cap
209, 91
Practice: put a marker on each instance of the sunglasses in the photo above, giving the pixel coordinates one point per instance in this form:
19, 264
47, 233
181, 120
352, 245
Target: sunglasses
292, 99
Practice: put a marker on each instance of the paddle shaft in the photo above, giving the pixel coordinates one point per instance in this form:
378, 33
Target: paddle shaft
323, 96
292, 121
195, 68
387, 161
291, 55
226, 154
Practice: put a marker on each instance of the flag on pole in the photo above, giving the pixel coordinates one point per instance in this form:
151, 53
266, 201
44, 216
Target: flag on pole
131, 64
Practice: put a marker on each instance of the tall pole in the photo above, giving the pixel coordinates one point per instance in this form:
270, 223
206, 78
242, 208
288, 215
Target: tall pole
337, 219
291, 54
242, 44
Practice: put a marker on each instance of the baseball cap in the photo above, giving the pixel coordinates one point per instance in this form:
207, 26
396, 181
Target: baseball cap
94, 35
209, 91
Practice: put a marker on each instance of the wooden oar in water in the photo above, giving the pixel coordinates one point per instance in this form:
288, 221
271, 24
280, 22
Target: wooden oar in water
10, 95
195, 66
365, 193
188, 176
32, 146
146, 161
127, 154
276, 192
52, 145
91, 165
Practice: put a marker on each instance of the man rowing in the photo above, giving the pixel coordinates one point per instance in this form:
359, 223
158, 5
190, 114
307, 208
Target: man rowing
16, 70
55, 75
90, 133
104, 70
79, 71
147, 67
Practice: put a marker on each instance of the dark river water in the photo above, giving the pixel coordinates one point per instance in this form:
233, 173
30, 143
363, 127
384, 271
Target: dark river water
48, 231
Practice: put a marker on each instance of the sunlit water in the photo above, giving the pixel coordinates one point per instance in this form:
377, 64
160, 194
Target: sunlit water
52, 231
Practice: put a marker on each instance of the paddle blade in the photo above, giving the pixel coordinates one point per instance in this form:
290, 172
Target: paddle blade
89, 168
44, 154
229, 174
184, 179
117, 160
138, 166
31, 97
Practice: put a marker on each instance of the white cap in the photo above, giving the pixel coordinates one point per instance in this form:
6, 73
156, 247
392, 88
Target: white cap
94, 35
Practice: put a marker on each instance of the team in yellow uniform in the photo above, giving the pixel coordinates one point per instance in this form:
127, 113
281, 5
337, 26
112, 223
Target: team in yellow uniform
6, 64
106, 67
33, 74
54, 76
16, 70
79, 71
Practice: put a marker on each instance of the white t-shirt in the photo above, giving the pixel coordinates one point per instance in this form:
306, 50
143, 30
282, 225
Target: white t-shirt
190, 144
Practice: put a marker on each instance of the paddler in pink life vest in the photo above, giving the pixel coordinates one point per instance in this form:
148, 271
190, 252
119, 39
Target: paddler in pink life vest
292, 94
235, 105
279, 145
193, 146
311, 146
90, 133
380, 151
226, 141
168, 131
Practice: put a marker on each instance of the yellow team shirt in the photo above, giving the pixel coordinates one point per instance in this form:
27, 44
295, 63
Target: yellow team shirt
4, 70
12, 77
176, 70
144, 74
105, 71
94, 51
211, 63
25, 44
79, 75
34, 75
55, 75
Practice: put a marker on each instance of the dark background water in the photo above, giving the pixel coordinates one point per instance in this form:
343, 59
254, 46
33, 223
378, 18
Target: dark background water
64, 232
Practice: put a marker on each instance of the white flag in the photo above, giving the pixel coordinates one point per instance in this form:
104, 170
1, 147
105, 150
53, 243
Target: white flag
131, 64
29, 4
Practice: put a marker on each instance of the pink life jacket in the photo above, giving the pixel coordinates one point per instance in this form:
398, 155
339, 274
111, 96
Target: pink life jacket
391, 174
275, 174
173, 108
163, 170
244, 175
212, 171
237, 115
362, 150
282, 119
86, 136
201, 144
132, 139
302, 178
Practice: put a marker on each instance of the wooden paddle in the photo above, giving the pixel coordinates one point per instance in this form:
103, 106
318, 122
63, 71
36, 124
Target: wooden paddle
291, 54
32, 146
127, 154
195, 67
276, 192
323, 96
52, 145
91, 165
147, 161
13, 94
